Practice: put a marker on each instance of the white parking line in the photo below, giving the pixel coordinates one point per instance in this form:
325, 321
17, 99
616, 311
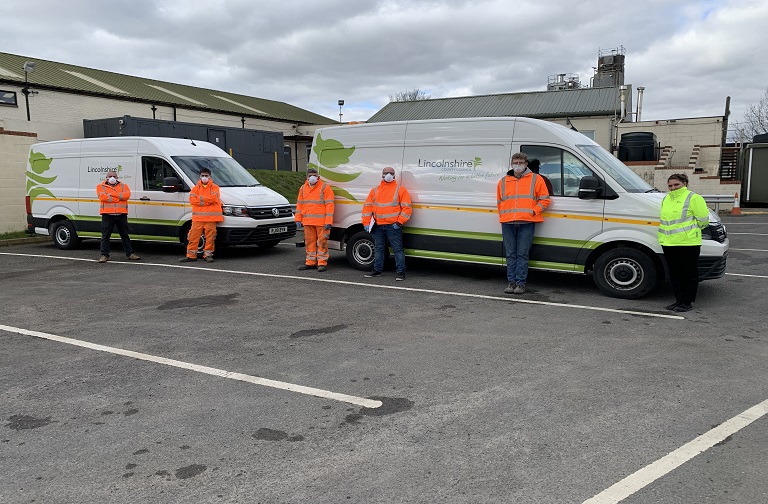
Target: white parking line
325, 394
754, 234
675, 459
744, 275
750, 250
371, 285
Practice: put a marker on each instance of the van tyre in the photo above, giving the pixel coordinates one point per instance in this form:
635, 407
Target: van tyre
64, 235
360, 251
625, 273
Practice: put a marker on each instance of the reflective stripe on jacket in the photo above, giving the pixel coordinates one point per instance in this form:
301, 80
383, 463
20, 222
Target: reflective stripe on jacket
206, 203
314, 205
683, 214
113, 198
522, 199
388, 203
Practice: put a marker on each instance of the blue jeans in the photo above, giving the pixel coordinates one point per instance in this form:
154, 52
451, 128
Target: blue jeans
381, 234
518, 238
108, 224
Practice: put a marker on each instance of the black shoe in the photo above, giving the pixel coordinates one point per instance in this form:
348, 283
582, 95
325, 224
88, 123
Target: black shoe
307, 267
188, 259
682, 308
670, 307
400, 277
373, 274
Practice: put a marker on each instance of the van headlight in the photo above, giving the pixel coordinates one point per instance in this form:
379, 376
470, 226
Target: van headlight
235, 211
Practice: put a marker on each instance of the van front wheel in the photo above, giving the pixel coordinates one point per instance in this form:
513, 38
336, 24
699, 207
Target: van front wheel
625, 273
63, 234
360, 251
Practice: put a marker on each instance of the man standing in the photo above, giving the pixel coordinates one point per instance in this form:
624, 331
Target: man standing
206, 212
314, 210
386, 210
521, 197
114, 196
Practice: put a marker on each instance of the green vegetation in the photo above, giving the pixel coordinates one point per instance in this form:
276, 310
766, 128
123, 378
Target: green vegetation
283, 182
13, 235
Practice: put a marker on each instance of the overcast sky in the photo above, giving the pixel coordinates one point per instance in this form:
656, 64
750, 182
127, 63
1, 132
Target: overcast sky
689, 55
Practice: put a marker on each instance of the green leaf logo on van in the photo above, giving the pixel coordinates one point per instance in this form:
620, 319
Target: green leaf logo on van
38, 164
478, 162
332, 154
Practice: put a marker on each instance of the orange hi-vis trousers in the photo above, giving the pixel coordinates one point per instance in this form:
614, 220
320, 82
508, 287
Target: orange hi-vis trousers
316, 243
193, 238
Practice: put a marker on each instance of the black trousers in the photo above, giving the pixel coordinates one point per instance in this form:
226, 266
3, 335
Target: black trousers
108, 224
683, 264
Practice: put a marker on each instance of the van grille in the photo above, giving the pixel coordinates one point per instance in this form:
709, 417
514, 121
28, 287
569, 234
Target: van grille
268, 212
246, 236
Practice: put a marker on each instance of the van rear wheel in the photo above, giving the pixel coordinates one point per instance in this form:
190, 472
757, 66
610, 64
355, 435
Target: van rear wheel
64, 235
625, 273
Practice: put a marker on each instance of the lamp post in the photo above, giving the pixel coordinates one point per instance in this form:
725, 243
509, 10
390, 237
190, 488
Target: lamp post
29, 67
341, 104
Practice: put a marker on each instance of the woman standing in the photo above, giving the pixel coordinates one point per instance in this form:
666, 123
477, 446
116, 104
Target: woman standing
683, 215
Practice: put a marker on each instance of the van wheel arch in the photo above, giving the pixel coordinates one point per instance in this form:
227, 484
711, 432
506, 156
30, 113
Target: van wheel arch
63, 234
625, 270
360, 249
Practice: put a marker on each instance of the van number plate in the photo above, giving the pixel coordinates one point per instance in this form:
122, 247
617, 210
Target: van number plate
281, 229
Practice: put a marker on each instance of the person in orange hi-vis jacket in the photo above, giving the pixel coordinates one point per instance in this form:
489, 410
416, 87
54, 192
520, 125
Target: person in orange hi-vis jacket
314, 210
385, 212
206, 212
521, 197
113, 196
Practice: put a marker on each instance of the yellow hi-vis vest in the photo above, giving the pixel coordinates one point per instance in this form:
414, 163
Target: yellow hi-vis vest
683, 215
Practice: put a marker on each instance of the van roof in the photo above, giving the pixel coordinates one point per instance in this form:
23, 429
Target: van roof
178, 146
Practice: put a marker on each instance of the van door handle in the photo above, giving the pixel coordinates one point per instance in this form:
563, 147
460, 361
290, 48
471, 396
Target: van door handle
144, 198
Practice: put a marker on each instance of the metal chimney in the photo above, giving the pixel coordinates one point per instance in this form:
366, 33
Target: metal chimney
640, 90
623, 95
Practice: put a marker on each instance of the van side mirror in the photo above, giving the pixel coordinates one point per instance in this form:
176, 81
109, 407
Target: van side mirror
590, 188
172, 184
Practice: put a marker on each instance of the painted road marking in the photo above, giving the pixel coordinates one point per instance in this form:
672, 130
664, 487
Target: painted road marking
325, 394
375, 286
675, 459
753, 234
744, 275
750, 250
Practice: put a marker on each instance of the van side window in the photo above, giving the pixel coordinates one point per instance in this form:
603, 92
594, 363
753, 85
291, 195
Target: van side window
153, 171
562, 168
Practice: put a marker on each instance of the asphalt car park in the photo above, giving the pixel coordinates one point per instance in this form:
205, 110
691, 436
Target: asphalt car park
245, 380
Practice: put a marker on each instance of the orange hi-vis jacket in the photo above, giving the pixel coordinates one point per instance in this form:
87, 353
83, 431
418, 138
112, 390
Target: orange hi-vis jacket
314, 205
206, 203
388, 204
113, 198
522, 199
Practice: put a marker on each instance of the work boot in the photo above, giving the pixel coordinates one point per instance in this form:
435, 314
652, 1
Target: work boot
373, 274
304, 267
209, 259
133, 257
400, 277
188, 259
321, 268
103, 259
682, 307
670, 307
510, 289
519, 289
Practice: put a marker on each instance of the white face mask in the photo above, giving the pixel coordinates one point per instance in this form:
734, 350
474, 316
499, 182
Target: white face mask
312, 179
204, 179
112, 180
389, 177
518, 169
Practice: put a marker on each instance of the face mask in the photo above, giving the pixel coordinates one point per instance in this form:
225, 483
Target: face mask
204, 180
312, 179
389, 177
518, 169
112, 180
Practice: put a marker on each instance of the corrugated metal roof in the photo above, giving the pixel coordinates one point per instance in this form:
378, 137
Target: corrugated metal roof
538, 104
77, 79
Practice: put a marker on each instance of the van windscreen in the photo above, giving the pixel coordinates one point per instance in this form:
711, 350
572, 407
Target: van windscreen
226, 172
629, 180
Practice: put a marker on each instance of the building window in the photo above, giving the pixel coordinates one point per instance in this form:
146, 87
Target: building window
8, 98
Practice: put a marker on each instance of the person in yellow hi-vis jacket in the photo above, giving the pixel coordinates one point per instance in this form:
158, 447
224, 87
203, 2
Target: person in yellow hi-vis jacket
683, 215
206, 212
314, 210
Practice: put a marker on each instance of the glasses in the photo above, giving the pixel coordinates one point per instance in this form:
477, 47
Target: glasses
519, 163
388, 173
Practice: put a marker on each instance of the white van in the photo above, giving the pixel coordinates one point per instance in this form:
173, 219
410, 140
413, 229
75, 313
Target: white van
62, 202
603, 217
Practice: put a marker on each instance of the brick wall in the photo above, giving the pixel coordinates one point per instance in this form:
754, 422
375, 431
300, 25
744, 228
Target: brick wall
14, 148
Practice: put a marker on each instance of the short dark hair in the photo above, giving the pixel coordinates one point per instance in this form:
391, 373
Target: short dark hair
205, 170
311, 170
682, 177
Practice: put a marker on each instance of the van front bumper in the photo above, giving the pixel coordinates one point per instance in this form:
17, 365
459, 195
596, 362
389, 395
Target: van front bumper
711, 267
254, 236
